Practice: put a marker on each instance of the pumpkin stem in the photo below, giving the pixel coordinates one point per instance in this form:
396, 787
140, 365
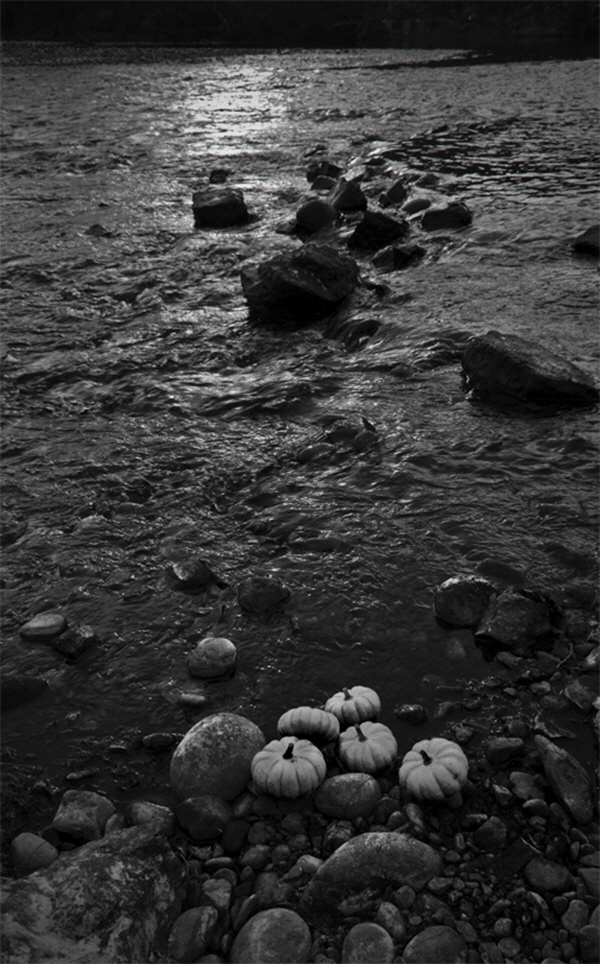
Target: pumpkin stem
361, 735
288, 753
426, 758
347, 694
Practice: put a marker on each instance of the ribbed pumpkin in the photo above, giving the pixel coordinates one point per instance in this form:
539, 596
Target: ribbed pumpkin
288, 768
434, 769
354, 705
309, 723
367, 747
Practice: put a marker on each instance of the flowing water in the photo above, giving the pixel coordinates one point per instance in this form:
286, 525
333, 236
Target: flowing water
145, 417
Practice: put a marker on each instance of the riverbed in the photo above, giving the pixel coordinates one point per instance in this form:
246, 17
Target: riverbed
146, 419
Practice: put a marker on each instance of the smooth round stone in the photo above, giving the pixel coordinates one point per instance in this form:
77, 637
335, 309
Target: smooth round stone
546, 875
191, 933
272, 937
436, 945
214, 757
348, 796
212, 657
589, 943
367, 944
203, 817
31, 853
44, 626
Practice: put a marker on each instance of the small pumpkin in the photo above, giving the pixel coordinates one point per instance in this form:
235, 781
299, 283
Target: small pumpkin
354, 705
367, 747
434, 770
288, 768
309, 723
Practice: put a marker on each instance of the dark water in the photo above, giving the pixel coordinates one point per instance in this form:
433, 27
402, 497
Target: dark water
145, 417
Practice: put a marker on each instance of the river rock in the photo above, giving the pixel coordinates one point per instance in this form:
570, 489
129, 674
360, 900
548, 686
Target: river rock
190, 575
44, 627
453, 215
546, 875
580, 696
588, 242
140, 812
218, 208
491, 835
588, 939
356, 874
113, 900
348, 796
272, 936
203, 817
416, 204
18, 690
568, 779
213, 657
74, 641
82, 815
376, 230
347, 196
509, 366
301, 285
262, 594
322, 167
436, 945
214, 757
413, 713
397, 256
322, 183
191, 933
396, 194
30, 852
314, 215
513, 620
391, 918
462, 600
367, 943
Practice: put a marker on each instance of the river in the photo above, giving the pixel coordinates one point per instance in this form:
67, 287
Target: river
145, 418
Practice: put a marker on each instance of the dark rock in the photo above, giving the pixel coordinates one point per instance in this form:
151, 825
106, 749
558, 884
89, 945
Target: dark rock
82, 815
11, 528
31, 853
271, 937
504, 748
513, 620
568, 779
301, 285
454, 215
191, 933
396, 194
416, 204
546, 875
219, 208
411, 713
262, 594
113, 900
436, 945
398, 256
191, 575
314, 215
322, 183
162, 819
367, 943
322, 167
74, 641
358, 872
509, 366
462, 600
347, 196
588, 242
234, 836
214, 757
491, 836
160, 741
18, 690
512, 860
427, 180
580, 696
588, 939
348, 796
219, 175
44, 626
203, 817
377, 230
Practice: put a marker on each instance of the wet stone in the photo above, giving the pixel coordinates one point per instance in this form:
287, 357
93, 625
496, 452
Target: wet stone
44, 626
142, 812
367, 943
203, 817
348, 796
277, 935
567, 778
260, 594
575, 917
454, 215
74, 641
412, 713
377, 230
219, 208
462, 600
512, 620
191, 933
189, 575
588, 241
347, 196
588, 939
314, 215
82, 815
18, 690
396, 194
390, 917
213, 657
395, 257
504, 748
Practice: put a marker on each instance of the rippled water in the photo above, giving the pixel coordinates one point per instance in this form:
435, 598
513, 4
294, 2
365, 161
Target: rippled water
145, 417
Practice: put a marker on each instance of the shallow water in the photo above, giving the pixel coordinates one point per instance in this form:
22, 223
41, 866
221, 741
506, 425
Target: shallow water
145, 416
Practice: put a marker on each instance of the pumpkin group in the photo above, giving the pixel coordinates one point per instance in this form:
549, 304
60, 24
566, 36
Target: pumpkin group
288, 768
433, 770
309, 723
354, 705
367, 747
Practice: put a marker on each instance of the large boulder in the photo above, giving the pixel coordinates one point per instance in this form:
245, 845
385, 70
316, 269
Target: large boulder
218, 208
504, 365
214, 757
112, 900
301, 285
272, 936
355, 876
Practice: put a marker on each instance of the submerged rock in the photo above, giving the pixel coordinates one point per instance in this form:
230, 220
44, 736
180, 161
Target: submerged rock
44, 626
301, 285
214, 757
17, 690
262, 594
397, 256
454, 215
462, 600
74, 641
219, 208
272, 937
568, 779
508, 365
113, 900
588, 242
376, 230
396, 194
416, 204
322, 167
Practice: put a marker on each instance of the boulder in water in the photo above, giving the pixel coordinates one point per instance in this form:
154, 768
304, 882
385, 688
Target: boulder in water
322, 167
588, 242
509, 367
219, 208
314, 215
214, 757
376, 230
347, 196
513, 619
397, 256
453, 215
462, 600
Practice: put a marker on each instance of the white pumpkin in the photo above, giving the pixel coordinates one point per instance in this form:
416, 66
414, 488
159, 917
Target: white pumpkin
354, 705
433, 770
367, 747
288, 768
309, 723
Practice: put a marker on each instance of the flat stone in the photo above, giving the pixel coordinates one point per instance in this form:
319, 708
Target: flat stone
491, 836
367, 943
546, 875
191, 933
360, 869
396, 194
436, 945
568, 779
272, 936
395, 257
508, 365
44, 626
504, 748
376, 230
82, 814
